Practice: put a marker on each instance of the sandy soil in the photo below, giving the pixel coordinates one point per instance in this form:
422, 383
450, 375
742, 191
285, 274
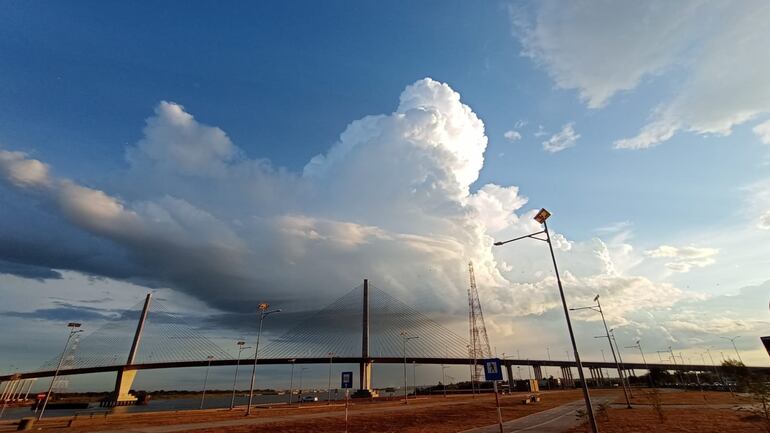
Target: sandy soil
439, 415
434, 414
705, 420
688, 397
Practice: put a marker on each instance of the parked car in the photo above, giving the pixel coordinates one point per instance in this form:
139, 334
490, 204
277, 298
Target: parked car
308, 398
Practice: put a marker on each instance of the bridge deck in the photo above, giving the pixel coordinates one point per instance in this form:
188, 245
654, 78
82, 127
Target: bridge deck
358, 360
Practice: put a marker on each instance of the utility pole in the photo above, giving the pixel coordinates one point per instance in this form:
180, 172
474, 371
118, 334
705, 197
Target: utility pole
73, 330
404, 338
331, 358
291, 381
241, 348
622, 366
598, 308
206, 379
638, 345
263, 312
443, 377
732, 340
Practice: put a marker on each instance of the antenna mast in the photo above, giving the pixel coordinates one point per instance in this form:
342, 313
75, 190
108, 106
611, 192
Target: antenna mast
479, 348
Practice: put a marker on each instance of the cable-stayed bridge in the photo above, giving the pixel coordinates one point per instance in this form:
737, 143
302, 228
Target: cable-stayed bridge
364, 327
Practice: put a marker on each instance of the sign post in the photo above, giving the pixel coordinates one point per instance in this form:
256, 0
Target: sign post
347, 383
494, 372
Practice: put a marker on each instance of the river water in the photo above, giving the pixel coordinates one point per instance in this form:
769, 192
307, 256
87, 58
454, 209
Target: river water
217, 401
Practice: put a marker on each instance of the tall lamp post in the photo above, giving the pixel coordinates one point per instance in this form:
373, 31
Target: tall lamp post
638, 345
263, 312
73, 330
732, 340
241, 348
299, 390
443, 377
541, 217
622, 364
598, 309
404, 338
291, 381
206, 379
331, 358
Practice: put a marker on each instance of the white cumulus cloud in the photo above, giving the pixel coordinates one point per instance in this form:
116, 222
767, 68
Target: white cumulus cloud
683, 259
512, 135
393, 201
563, 139
762, 131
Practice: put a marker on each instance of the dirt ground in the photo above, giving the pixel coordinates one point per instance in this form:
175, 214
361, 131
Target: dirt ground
444, 415
677, 419
643, 396
705, 420
434, 414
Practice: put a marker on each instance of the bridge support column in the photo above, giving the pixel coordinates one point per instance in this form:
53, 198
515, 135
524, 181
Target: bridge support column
10, 386
29, 388
538, 372
566, 373
5, 388
16, 385
600, 375
509, 372
19, 389
365, 367
120, 396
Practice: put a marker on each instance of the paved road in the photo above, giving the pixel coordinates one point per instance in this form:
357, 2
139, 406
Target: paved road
556, 420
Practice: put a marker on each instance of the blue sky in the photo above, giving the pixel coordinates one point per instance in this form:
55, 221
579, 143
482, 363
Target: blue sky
659, 157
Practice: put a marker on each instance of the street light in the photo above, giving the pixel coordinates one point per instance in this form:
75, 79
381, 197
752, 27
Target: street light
73, 330
263, 312
622, 364
206, 379
638, 345
291, 381
719, 374
241, 348
443, 377
541, 217
732, 340
299, 391
329, 398
598, 309
404, 338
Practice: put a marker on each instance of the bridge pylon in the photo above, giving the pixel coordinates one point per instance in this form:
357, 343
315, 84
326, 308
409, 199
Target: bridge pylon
365, 367
125, 378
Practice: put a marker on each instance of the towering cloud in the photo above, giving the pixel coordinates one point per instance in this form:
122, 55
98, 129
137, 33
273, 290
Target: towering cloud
391, 201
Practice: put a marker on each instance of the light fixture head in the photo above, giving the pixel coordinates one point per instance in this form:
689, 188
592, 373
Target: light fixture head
241, 343
73, 325
542, 215
596, 298
264, 306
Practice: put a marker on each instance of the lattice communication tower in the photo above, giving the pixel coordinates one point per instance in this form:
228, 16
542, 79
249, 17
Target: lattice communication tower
479, 347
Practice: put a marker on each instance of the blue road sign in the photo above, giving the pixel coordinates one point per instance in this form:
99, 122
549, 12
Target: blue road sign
347, 379
492, 369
